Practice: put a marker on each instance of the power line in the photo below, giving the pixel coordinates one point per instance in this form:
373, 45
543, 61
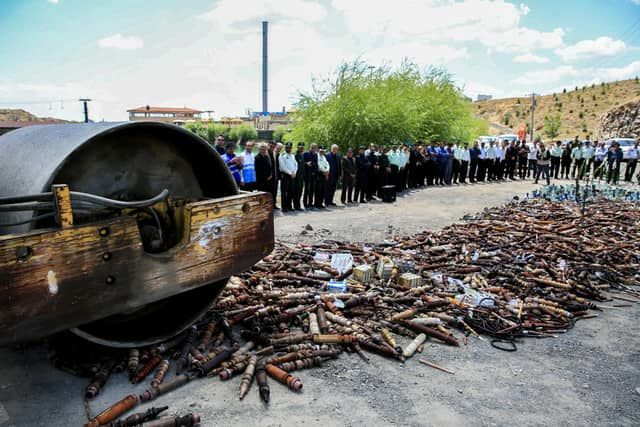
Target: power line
44, 102
630, 33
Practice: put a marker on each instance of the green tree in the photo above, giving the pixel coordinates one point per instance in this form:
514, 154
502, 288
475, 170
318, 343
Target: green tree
198, 128
243, 133
551, 126
359, 105
279, 132
215, 129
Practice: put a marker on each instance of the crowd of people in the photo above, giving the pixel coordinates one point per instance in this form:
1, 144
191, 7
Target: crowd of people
310, 179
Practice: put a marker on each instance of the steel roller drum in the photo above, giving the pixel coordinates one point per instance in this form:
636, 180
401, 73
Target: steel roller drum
124, 161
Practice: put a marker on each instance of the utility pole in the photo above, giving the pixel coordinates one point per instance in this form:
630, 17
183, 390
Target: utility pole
85, 101
533, 110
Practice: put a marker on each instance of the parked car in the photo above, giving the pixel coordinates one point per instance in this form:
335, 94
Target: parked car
507, 137
625, 144
486, 139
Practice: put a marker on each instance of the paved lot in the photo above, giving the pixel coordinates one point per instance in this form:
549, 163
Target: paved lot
589, 376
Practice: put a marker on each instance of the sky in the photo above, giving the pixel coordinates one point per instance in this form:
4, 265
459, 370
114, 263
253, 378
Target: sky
206, 54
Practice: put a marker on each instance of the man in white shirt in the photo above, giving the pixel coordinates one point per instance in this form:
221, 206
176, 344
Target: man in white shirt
482, 163
632, 156
588, 152
532, 159
499, 162
556, 157
288, 170
248, 175
462, 153
576, 155
322, 178
599, 157
491, 162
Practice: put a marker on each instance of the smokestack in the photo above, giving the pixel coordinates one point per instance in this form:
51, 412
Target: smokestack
265, 66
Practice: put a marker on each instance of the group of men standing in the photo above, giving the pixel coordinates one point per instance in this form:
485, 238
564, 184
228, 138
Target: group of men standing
309, 179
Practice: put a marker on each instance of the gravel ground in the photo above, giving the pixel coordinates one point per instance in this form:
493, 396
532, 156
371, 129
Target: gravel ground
589, 376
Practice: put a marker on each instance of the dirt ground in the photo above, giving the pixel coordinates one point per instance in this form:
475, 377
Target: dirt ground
589, 376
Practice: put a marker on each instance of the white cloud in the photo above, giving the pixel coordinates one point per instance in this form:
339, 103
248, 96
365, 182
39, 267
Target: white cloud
635, 2
118, 41
473, 88
53, 1
529, 58
230, 15
496, 25
616, 73
571, 76
541, 77
419, 53
602, 46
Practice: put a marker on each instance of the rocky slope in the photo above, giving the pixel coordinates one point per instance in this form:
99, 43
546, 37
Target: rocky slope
622, 121
18, 115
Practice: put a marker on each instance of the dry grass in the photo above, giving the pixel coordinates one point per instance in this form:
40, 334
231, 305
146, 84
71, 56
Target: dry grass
580, 110
18, 115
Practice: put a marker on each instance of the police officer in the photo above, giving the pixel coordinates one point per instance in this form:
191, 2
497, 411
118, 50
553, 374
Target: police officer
556, 158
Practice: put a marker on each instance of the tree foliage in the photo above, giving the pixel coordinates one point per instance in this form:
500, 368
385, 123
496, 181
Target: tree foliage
362, 104
215, 129
551, 126
209, 132
198, 128
279, 133
243, 133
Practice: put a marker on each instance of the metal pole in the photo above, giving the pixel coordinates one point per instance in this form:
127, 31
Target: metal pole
265, 62
85, 101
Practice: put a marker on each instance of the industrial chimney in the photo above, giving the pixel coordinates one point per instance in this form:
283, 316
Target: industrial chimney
265, 65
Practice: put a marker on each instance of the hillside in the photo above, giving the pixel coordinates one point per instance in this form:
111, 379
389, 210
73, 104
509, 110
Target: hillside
580, 109
18, 115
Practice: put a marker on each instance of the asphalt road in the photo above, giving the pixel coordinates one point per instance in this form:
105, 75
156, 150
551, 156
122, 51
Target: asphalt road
589, 376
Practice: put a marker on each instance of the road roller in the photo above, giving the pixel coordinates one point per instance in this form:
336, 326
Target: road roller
123, 233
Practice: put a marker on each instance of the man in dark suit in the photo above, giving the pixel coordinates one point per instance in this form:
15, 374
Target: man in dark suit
412, 165
274, 153
264, 170
384, 171
363, 166
335, 170
348, 176
310, 159
298, 183
220, 145
474, 157
511, 158
372, 179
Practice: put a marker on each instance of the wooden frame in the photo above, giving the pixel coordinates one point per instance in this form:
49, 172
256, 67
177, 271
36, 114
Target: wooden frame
55, 279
